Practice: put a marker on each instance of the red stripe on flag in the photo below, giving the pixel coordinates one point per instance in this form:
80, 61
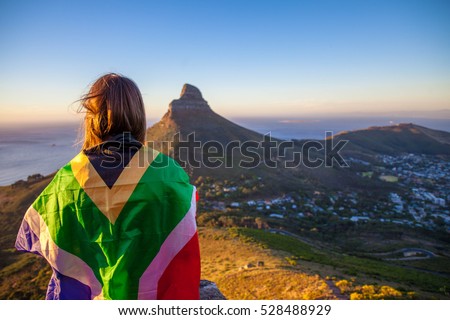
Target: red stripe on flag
181, 279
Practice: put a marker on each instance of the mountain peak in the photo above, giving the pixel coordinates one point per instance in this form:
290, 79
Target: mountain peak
189, 92
190, 99
192, 114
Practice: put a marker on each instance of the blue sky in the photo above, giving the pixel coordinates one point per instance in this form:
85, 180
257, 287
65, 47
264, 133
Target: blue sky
264, 58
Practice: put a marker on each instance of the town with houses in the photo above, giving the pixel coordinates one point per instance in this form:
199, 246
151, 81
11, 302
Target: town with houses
422, 201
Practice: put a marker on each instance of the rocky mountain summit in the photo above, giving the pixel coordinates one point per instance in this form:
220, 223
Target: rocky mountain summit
192, 114
190, 99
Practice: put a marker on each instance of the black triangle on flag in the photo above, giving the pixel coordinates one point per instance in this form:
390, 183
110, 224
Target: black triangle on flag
110, 158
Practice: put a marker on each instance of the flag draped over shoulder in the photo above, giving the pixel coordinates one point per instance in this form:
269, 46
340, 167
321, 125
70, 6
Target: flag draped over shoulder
134, 239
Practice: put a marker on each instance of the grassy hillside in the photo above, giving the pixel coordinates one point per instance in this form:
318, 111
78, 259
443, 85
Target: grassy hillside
22, 276
232, 262
361, 270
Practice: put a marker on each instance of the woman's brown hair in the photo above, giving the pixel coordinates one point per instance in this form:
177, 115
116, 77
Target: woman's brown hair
113, 106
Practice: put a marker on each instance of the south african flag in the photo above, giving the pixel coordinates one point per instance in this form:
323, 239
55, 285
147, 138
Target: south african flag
134, 239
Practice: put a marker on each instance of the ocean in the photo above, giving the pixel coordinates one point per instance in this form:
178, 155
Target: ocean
27, 150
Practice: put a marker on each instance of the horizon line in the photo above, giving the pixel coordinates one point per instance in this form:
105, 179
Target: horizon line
437, 114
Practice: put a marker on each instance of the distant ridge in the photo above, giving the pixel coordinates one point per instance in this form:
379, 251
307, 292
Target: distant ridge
396, 139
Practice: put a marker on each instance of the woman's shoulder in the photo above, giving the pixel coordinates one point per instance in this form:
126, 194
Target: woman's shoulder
62, 180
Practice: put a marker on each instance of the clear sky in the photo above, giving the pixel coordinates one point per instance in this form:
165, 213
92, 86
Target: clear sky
274, 58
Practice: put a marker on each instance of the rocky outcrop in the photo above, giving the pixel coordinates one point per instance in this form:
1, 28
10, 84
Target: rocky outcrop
191, 113
190, 99
189, 92
209, 291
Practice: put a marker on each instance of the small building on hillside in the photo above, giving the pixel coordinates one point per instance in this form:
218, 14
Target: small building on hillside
359, 218
235, 205
276, 215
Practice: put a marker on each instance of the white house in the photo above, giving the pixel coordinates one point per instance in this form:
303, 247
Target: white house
276, 215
